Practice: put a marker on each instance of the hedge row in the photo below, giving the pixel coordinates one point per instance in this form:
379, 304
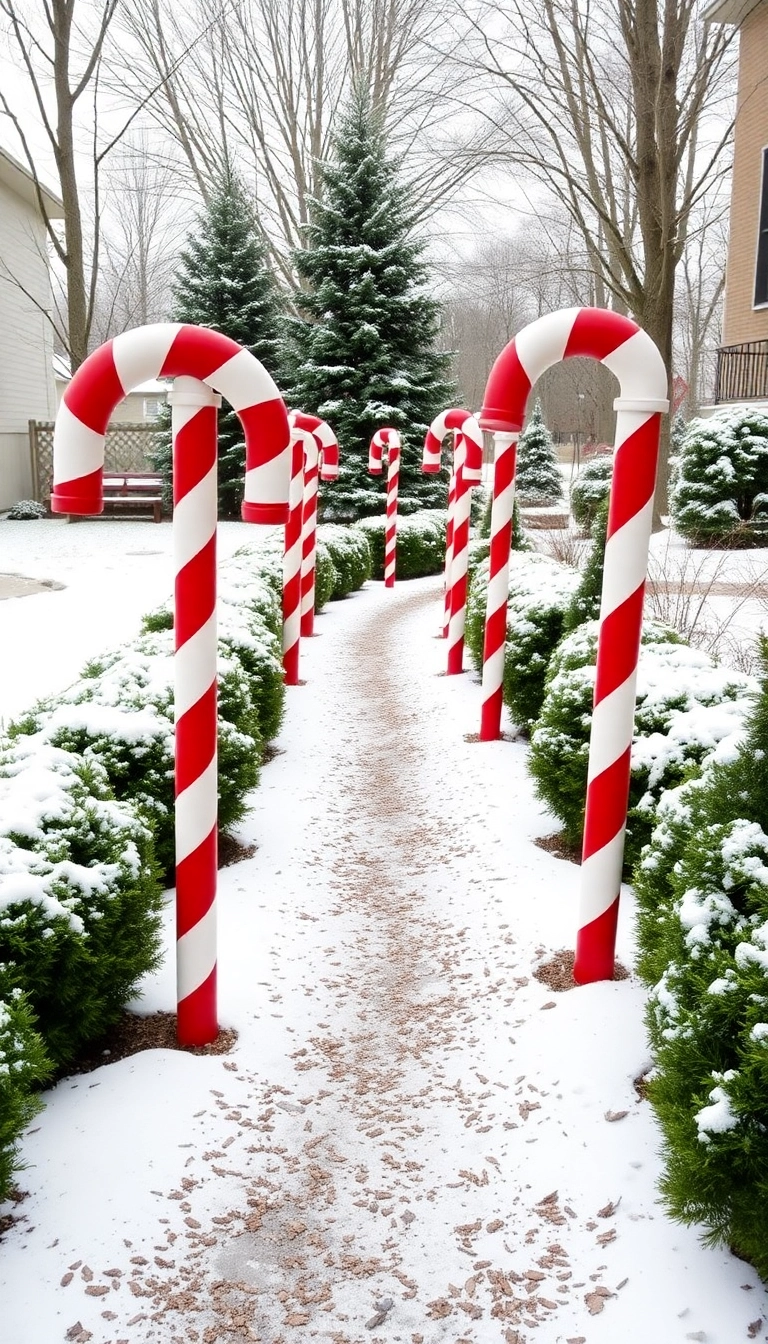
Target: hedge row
420, 543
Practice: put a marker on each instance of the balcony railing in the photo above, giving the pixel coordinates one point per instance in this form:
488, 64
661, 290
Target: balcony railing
742, 372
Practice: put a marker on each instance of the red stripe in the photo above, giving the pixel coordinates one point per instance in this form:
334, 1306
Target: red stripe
456, 657
606, 811
495, 632
595, 945
634, 474
291, 665
195, 592
619, 644
454, 419
266, 430
83, 494
506, 393
95, 390
196, 735
196, 878
194, 451
197, 352
197, 1023
490, 717
598, 332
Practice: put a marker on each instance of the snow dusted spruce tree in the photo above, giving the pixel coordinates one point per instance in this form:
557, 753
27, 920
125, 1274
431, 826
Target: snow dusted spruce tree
364, 355
536, 476
224, 282
721, 478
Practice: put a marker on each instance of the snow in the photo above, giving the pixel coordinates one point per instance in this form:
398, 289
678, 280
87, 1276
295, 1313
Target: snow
718, 1117
395, 1053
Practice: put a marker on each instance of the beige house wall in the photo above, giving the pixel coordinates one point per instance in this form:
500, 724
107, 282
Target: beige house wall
742, 321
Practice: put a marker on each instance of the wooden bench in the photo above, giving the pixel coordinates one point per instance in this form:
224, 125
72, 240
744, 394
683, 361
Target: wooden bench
133, 490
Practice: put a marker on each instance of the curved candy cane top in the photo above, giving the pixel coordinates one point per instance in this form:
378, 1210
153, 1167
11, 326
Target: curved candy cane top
615, 340
383, 438
170, 350
325, 438
473, 438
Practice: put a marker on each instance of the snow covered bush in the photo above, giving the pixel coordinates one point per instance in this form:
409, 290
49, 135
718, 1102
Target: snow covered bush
591, 487
720, 491
702, 885
420, 543
685, 705
79, 897
585, 603
24, 1066
120, 713
539, 593
537, 477
326, 576
350, 552
25, 510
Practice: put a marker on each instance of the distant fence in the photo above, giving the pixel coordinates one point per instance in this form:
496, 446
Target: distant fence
127, 449
742, 372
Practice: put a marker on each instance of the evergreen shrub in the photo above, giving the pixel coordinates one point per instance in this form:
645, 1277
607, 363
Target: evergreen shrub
350, 551
420, 543
685, 705
326, 576
79, 895
24, 1066
720, 490
591, 487
585, 603
702, 885
537, 476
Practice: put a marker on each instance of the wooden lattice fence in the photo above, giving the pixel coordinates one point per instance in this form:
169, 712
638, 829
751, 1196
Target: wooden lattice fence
127, 448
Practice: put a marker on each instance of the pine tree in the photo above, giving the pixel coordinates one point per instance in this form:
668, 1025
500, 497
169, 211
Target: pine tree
364, 354
720, 486
537, 476
223, 281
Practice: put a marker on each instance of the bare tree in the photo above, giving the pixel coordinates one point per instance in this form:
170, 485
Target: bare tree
610, 105
698, 303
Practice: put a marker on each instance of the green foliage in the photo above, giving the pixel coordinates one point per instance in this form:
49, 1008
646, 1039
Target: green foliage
350, 551
720, 491
224, 281
24, 1066
364, 355
326, 575
79, 895
420, 544
591, 487
685, 704
585, 603
537, 478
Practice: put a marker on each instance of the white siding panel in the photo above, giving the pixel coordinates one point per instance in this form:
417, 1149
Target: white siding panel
26, 340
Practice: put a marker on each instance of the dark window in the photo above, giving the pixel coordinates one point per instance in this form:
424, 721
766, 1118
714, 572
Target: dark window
761, 269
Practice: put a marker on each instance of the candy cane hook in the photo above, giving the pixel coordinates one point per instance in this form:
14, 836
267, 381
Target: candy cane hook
453, 419
633, 358
203, 363
389, 439
322, 460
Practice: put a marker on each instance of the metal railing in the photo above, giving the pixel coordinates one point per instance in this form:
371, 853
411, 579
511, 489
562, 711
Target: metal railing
742, 372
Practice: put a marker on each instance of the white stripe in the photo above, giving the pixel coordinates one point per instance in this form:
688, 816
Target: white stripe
194, 520
498, 590
493, 672
140, 354
292, 628
502, 508
456, 626
77, 450
243, 381
194, 667
612, 725
308, 600
626, 560
601, 880
543, 342
639, 367
269, 483
196, 811
196, 954
292, 561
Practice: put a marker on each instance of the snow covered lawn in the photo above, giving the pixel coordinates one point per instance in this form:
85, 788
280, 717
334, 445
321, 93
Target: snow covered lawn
413, 1139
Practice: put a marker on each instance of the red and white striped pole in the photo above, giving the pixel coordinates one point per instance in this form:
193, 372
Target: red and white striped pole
302, 443
633, 358
502, 505
322, 460
390, 439
449, 541
432, 462
192, 355
468, 473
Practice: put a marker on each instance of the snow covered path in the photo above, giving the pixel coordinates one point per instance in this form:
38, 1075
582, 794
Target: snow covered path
414, 1139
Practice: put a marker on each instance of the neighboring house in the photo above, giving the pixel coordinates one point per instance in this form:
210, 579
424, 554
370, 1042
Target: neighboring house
141, 406
742, 360
26, 338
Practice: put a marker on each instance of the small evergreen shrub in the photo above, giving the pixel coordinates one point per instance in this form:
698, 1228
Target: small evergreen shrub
720, 491
537, 476
350, 552
326, 576
477, 551
25, 510
591, 487
685, 705
585, 603
24, 1066
420, 543
79, 898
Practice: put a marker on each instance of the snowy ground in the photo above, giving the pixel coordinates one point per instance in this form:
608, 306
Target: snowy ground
409, 1118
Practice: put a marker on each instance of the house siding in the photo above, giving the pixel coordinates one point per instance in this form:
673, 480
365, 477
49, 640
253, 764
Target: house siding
741, 321
26, 342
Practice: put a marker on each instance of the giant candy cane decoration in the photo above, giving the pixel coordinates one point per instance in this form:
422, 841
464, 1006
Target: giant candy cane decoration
389, 439
634, 359
467, 471
199, 360
321, 459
